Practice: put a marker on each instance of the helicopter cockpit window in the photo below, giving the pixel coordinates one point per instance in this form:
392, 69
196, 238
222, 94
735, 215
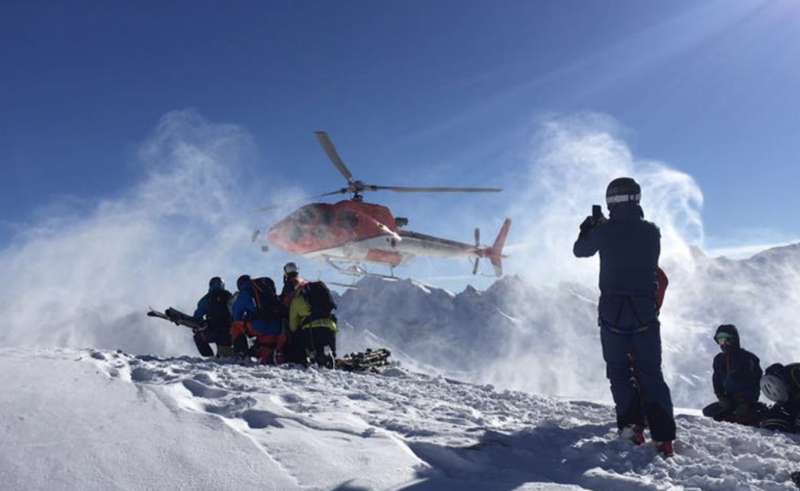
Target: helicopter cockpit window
296, 233
348, 219
306, 216
326, 214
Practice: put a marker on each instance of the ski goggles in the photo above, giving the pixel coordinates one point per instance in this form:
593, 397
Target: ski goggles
723, 338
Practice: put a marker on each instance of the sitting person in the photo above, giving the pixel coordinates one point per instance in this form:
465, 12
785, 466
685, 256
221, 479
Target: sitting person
781, 384
737, 373
258, 313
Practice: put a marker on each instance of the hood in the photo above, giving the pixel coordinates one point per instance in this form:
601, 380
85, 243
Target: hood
244, 283
732, 331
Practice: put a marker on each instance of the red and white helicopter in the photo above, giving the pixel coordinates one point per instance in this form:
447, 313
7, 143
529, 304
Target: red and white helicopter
351, 232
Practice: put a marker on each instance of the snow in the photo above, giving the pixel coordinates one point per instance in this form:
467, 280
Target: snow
86, 419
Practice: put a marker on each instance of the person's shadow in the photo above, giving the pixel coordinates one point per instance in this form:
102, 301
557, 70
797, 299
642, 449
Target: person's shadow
585, 456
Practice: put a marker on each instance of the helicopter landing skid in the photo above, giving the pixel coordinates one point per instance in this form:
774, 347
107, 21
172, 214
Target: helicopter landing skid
355, 269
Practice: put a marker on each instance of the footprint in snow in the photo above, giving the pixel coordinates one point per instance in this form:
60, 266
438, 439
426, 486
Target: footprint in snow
291, 398
141, 374
258, 419
231, 407
199, 389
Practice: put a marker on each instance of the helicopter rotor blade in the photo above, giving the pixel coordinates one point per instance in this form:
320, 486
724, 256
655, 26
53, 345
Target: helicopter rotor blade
408, 189
330, 150
290, 203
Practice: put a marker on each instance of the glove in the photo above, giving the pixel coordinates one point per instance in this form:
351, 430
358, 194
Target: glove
587, 224
742, 412
725, 404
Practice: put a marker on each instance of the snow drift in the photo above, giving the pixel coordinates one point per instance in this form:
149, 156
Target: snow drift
108, 420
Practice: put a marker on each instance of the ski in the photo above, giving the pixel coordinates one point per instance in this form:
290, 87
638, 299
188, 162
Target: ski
178, 318
368, 360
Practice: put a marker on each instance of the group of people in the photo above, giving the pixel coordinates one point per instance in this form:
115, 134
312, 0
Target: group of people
297, 325
738, 382
631, 291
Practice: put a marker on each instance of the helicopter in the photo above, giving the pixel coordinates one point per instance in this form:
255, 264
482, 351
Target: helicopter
351, 232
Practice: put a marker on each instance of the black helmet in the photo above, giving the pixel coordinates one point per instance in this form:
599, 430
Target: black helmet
290, 268
776, 369
216, 283
623, 190
243, 283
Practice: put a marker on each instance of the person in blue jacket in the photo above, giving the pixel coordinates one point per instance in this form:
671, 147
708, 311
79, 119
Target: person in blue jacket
736, 379
257, 312
213, 308
629, 249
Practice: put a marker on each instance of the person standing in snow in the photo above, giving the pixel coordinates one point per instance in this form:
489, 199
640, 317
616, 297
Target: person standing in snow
737, 373
291, 280
213, 308
781, 384
629, 248
313, 324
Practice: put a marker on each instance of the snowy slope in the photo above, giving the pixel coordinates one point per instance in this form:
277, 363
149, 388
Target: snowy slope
108, 420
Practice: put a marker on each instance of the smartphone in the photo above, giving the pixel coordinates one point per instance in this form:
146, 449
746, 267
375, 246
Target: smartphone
597, 212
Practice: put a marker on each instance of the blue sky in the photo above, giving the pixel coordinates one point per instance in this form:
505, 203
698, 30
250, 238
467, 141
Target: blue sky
415, 92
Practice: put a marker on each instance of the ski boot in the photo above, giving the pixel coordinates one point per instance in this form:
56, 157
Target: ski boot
634, 433
328, 360
665, 449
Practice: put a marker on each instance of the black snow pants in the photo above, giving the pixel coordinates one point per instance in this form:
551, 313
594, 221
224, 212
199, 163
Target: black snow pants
635, 360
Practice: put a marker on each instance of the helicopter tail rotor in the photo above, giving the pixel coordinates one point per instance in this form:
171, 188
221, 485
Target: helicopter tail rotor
477, 246
495, 252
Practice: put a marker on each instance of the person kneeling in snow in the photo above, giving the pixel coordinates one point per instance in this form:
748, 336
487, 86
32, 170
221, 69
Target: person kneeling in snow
258, 313
781, 384
737, 373
213, 308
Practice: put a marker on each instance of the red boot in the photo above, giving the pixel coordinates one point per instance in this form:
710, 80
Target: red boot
634, 433
665, 449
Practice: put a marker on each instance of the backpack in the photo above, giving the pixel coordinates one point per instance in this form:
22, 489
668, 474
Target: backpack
268, 307
320, 299
218, 315
661, 290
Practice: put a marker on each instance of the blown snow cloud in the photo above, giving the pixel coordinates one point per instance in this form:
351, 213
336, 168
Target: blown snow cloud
86, 278
573, 158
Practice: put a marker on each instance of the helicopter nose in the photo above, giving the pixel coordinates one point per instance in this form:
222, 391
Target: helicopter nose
277, 234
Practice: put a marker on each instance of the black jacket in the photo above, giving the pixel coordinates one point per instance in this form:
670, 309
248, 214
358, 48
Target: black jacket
629, 248
737, 374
